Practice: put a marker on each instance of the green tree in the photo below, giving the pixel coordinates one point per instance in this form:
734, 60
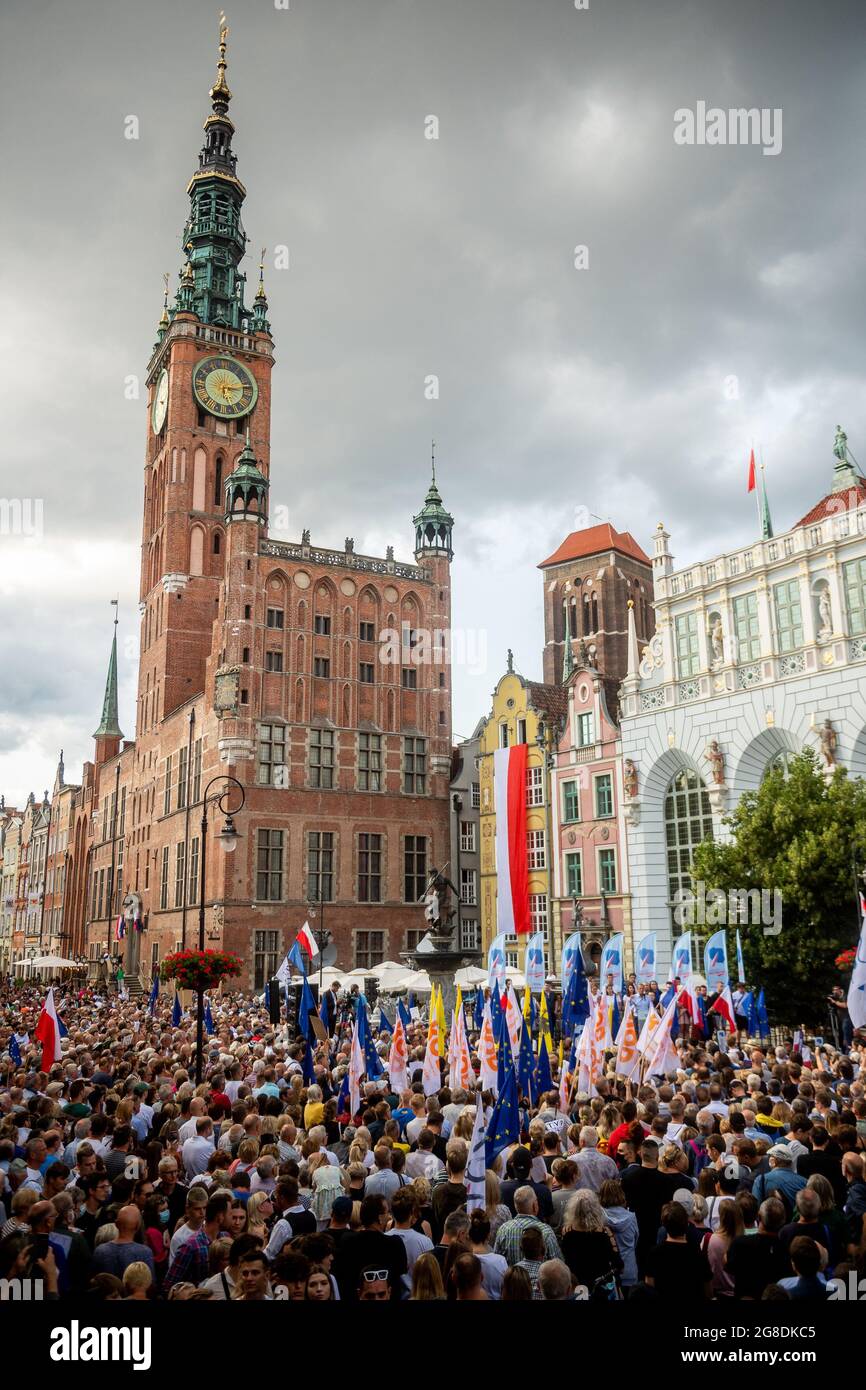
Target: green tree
801, 835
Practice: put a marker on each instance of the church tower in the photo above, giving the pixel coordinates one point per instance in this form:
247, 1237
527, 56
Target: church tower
433, 552
209, 380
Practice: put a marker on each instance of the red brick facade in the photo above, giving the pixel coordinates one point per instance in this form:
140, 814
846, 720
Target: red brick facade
288, 640
588, 582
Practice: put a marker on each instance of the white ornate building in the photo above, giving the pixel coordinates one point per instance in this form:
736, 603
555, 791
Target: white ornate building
754, 653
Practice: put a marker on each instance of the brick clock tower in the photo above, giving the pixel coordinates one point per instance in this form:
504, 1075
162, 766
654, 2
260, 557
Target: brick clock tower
209, 383
319, 679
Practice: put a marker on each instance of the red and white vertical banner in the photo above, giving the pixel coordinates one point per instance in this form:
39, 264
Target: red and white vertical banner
512, 867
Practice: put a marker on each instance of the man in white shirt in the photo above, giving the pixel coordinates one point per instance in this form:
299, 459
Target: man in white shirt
196, 1152
188, 1130
423, 1163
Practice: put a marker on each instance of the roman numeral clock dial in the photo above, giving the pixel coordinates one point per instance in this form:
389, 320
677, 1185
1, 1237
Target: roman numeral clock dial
224, 388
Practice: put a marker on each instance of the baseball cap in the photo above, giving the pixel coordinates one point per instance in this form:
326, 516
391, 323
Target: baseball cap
342, 1208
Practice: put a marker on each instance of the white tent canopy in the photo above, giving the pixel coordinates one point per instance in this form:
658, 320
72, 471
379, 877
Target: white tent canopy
48, 963
470, 976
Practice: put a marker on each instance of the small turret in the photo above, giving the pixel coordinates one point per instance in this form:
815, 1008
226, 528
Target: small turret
247, 490
433, 524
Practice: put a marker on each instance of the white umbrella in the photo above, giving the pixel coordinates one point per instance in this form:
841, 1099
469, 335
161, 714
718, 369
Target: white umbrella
389, 975
49, 963
470, 976
416, 980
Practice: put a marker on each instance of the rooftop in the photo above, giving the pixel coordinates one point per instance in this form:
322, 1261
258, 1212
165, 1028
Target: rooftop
595, 540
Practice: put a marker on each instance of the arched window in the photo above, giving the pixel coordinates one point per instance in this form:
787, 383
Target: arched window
196, 551
216, 542
688, 821
218, 481
586, 616
572, 626
594, 613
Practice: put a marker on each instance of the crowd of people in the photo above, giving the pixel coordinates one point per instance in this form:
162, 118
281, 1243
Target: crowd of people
739, 1174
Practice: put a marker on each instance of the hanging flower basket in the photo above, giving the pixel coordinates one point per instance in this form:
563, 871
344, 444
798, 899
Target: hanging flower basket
200, 969
846, 960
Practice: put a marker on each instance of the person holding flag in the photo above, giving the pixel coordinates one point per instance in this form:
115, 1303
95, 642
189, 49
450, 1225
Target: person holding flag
47, 1031
398, 1058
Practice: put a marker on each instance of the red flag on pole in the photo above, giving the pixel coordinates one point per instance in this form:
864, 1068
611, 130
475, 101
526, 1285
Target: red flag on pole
752, 478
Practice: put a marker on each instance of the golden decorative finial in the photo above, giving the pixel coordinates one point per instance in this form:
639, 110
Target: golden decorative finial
219, 92
163, 318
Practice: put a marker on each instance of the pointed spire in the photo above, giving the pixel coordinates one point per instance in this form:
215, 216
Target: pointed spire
433, 524
219, 93
259, 320
164, 319
766, 523
632, 672
61, 771
108, 725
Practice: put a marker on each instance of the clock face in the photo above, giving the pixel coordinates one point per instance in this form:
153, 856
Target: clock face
159, 407
223, 387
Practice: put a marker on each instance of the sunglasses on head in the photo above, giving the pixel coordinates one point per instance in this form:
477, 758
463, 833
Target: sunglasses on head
372, 1276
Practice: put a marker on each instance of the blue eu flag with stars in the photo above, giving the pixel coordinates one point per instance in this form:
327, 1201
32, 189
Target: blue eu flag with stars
504, 1127
526, 1066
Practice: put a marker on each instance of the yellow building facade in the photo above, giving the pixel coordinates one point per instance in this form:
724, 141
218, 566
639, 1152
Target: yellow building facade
531, 713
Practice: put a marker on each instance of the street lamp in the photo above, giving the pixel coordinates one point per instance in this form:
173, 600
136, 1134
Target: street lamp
228, 839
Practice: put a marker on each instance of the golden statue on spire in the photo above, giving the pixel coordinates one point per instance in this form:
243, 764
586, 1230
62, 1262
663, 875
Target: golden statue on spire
219, 92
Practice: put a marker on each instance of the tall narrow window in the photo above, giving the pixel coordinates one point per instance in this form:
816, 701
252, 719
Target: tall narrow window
415, 766
414, 868
370, 762
686, 641
163, 880
320, 866
218, 482
322, 758
745, 609
269, 866
369, 868
166, 797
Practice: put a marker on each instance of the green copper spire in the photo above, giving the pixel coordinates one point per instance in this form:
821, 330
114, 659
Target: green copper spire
247, 489
433, 524
766, 523
214, 241
108, 725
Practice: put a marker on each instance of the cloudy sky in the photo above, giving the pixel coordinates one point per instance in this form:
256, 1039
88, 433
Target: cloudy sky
723, 301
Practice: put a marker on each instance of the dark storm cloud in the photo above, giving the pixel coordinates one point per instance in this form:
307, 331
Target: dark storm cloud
607, 389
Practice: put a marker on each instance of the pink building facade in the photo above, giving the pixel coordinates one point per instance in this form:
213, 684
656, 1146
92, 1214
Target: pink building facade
589, 806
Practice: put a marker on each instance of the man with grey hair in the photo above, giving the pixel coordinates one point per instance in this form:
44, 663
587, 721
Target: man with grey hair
593, 1168
510, 1233
554, 1282
808, 1223
781, 1181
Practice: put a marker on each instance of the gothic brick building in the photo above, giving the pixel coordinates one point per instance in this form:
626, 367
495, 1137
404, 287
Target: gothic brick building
588, 582
317, 678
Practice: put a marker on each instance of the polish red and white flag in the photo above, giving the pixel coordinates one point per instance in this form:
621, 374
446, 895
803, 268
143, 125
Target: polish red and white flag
724, 1005
47, 1030
512, 869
